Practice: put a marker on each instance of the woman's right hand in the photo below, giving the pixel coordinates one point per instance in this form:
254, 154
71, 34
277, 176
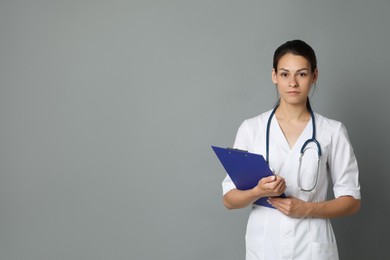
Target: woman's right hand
267, 187
270, 186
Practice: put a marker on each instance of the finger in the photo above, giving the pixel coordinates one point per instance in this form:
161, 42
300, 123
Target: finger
270, 178
267, 180
284, 187
274, 200
281, 202
278, 204
280, 187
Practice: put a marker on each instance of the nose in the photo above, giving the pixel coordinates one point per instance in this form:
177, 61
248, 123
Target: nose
293, 82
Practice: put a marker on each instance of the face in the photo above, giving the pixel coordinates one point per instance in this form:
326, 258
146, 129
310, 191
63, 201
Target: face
294, 79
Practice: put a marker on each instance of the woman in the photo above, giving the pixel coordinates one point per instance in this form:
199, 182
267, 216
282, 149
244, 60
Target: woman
298, 227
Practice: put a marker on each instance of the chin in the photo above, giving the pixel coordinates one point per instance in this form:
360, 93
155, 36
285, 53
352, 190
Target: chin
294, 102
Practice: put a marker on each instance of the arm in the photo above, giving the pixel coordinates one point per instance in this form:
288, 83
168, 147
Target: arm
344, 171
293, 207
269, 186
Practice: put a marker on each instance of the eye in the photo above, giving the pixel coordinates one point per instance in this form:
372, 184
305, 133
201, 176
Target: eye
302, 74
283, 74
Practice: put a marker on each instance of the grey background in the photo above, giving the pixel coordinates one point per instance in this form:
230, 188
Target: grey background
108, 110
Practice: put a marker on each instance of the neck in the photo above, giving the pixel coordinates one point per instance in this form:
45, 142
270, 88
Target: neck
292, 112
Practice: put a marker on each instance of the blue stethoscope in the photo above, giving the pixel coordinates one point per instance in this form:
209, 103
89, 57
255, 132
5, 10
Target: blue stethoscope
303, 148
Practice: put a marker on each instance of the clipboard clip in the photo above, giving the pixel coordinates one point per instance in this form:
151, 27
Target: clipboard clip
235, 149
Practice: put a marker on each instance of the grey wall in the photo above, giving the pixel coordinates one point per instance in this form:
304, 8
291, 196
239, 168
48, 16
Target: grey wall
108, 110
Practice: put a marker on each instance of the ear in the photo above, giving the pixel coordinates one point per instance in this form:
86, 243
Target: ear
315, 76
274, 78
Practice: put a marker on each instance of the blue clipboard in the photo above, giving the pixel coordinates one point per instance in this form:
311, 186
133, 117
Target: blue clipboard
245, 169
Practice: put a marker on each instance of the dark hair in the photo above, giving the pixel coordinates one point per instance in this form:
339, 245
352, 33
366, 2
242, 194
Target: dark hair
296, 47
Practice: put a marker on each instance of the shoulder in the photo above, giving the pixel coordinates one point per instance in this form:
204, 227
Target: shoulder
327, 124
332, 135
250, 130
257, 122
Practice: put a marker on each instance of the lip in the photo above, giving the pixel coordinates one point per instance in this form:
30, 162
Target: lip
293, 92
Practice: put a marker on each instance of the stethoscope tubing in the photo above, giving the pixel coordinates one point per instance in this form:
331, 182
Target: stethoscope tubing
303, 148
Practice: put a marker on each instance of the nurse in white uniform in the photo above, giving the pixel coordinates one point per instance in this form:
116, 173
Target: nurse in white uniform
299, 226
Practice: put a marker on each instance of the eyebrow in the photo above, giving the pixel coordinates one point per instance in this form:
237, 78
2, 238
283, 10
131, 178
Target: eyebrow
297, 70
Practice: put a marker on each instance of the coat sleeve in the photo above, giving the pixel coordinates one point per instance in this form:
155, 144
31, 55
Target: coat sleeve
241, 142
343, 166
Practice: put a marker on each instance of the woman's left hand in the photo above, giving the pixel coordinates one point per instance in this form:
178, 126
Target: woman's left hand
291, 206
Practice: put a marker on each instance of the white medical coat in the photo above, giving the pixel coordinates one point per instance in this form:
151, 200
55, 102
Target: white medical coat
272, 235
